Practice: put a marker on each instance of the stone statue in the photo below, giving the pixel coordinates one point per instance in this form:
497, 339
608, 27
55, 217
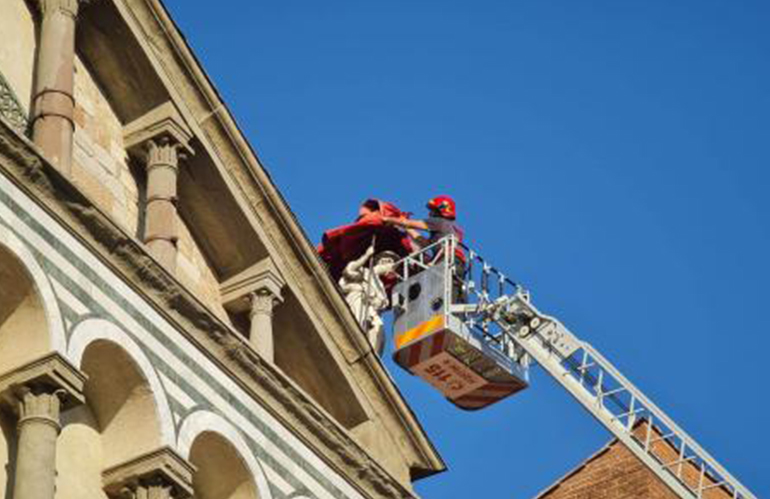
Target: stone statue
365, 292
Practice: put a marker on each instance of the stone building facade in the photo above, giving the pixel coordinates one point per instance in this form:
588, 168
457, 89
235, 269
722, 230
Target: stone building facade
166, 328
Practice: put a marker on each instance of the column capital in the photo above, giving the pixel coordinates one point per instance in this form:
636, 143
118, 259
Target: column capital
43, 387
41, 407
160, 127
258, 286
162, 152
67, 7
161, 474
256, 291
262, 302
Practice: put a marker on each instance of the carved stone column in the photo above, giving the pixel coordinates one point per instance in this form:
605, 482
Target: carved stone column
53, 102
261, 314
256, 290
160, 140
162, 172
38, 430
161, 474
38, 392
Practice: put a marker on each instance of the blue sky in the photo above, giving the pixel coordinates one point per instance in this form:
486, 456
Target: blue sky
612, 156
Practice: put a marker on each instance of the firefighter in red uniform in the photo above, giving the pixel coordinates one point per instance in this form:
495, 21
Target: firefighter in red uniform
442, 212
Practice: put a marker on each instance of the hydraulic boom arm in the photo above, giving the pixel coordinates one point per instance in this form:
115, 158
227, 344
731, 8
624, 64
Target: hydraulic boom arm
449, 291
621, 407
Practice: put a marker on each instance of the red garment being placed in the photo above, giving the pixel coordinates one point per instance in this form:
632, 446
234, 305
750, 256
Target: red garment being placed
344, 244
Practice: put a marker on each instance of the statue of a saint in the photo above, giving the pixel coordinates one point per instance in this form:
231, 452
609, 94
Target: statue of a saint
365, 292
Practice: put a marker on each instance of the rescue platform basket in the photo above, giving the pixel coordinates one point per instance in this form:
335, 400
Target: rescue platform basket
438, 334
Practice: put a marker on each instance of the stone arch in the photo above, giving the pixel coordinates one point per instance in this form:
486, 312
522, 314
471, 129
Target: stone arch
93, 331
31, 324
204, 434
126, 413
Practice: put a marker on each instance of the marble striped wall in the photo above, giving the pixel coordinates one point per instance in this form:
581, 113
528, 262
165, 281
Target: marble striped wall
85, 301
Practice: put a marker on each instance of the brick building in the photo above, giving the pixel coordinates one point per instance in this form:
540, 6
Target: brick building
615, 473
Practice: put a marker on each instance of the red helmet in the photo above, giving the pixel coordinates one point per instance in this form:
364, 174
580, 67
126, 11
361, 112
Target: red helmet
444, 205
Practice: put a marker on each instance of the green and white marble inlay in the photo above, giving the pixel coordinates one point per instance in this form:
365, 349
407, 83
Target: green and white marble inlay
87, 289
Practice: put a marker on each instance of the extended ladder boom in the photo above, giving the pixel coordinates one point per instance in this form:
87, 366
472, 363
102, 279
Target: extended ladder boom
500, 311
623, 409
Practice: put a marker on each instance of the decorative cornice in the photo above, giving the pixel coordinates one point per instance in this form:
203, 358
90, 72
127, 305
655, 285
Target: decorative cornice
218, 131
218, 134
23, 164
10, 106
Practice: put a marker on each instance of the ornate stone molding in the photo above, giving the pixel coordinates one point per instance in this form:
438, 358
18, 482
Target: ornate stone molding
264, 381
235, 159
11, 108
233, 155
160, 474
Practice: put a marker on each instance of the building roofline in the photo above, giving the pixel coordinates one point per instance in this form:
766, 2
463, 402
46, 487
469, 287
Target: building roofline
432, 461
573, 471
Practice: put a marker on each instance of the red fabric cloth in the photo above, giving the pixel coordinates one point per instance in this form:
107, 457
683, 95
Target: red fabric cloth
344, 244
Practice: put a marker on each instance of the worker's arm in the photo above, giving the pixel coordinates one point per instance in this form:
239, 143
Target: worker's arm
416, 236
407, 223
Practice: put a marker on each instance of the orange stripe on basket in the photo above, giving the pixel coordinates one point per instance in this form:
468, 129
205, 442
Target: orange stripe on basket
426, 327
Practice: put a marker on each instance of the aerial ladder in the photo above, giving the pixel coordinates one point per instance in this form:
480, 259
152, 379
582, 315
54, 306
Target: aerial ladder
472, 333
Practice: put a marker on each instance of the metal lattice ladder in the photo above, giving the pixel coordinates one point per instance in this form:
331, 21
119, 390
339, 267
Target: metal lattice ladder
623, 409
501, 311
